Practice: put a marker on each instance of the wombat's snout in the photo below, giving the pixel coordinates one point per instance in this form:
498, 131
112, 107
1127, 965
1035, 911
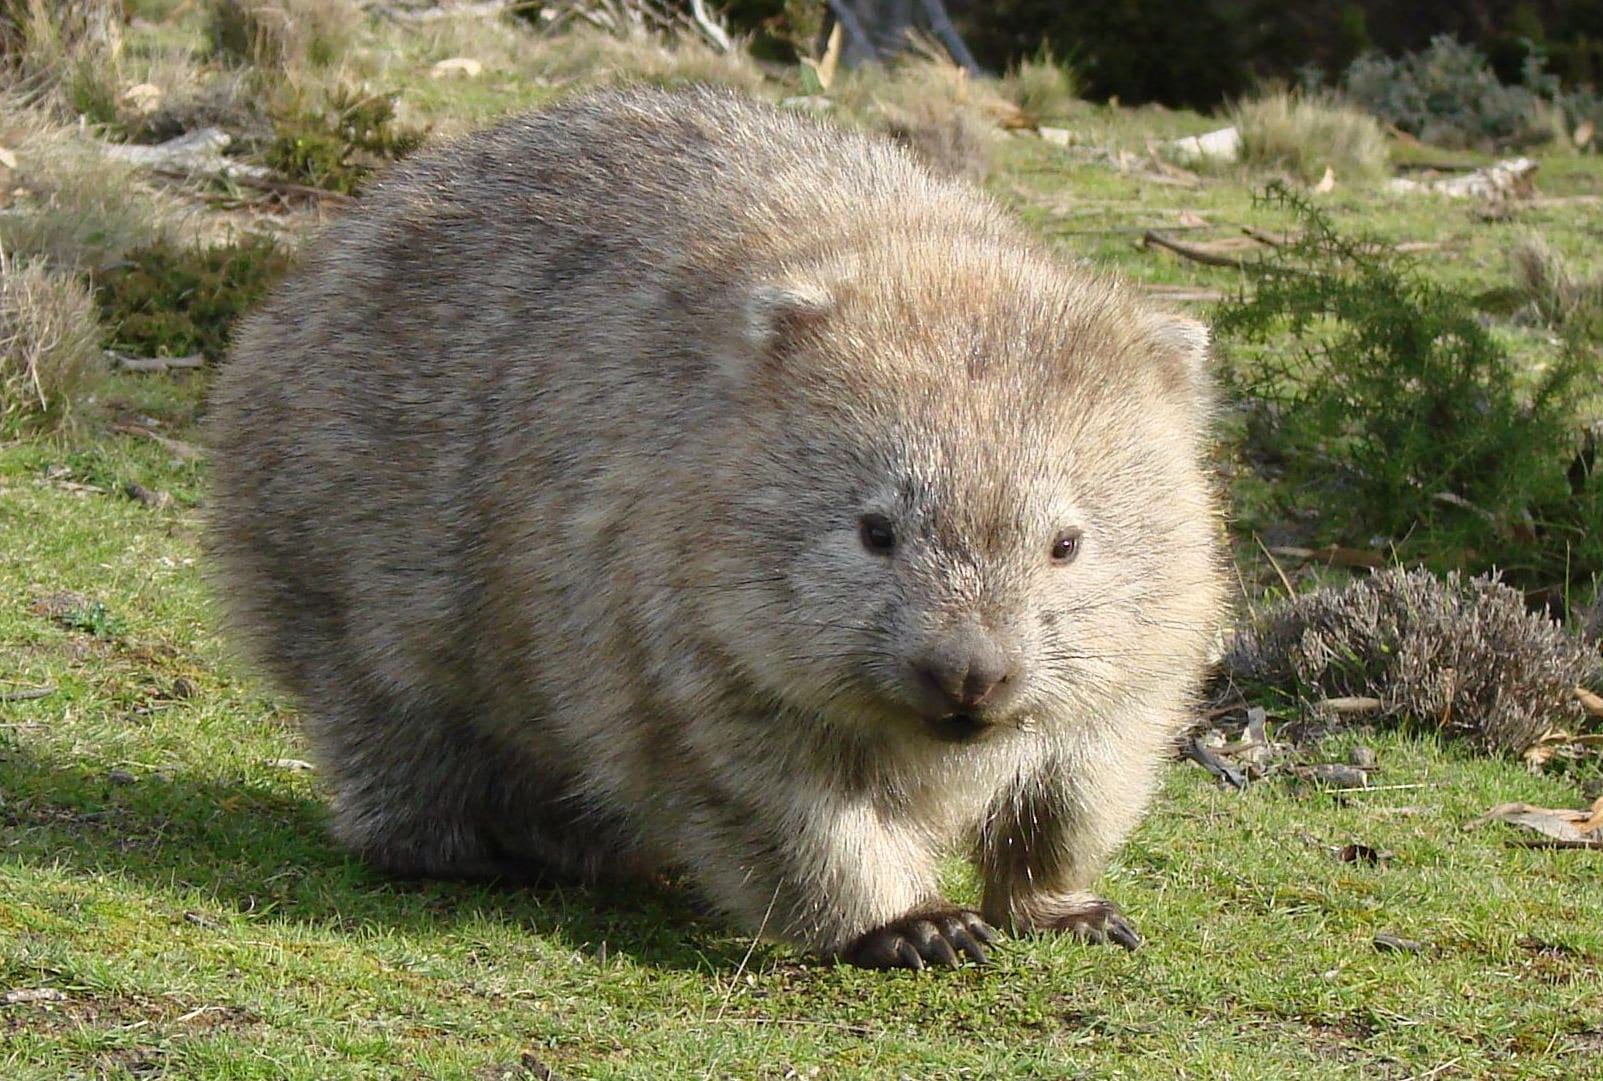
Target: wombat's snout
966, 674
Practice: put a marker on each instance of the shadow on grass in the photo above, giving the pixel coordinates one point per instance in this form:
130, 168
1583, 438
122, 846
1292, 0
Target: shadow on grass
267, 853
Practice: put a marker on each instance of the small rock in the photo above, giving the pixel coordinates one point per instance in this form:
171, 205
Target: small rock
153, 499
1363, 757
181, 689
1221, 145
1056, 136
458, 67
1386, 942
121, 776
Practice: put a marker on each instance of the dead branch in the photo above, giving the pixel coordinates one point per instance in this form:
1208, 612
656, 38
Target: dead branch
1152, 238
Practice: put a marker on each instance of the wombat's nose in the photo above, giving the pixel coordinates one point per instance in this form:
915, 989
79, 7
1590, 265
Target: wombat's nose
964, 669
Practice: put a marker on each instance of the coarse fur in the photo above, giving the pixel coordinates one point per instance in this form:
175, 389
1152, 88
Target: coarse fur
545, 486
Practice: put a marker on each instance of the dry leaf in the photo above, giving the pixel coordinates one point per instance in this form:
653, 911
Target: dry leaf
1590, 702
1327, 182
1584, 132
1192, 220
1561, 824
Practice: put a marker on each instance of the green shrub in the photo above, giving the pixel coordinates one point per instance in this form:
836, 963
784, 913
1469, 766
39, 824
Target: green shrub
340, 144
49, 343
1302, 135
173, 300
1398, 420
1448, 95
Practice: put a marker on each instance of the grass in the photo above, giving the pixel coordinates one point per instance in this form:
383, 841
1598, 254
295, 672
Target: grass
167, 873
1302, 136
49, 344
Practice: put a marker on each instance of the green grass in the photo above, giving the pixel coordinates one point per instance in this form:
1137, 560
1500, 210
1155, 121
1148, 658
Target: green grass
171, 877
166, 870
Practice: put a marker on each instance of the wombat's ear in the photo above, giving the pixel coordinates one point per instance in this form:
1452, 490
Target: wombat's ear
1183, 345
779, 313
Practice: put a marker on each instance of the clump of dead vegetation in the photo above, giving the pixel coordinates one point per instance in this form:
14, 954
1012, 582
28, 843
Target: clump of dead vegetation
63, 55
1303, 135
1559, 297
69, 202
945, 116
1043, 89
1465, 656
275, 36
49, 343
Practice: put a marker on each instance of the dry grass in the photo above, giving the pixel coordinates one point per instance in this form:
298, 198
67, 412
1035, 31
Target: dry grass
64, 55
1043, 89
49, 344
587, 57
933, 107
70, 204
277, 36
1302, 136
1545, 280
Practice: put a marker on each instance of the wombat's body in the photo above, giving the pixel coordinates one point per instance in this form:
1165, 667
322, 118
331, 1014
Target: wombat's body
666, 483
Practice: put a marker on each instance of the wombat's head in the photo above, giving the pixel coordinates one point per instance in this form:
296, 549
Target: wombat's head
963, 494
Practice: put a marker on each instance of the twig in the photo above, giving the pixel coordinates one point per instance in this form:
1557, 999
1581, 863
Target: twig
1274, 240
1334, 555
1153, 238
709, 27
27, 694
186, 451
126, 363
1273, 562
1553, 842
267, 184
1377, 788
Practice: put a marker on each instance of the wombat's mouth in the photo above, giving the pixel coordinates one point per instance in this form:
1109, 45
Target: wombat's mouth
959, 727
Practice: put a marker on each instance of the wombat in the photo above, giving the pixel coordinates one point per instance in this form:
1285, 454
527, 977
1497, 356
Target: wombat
666, 484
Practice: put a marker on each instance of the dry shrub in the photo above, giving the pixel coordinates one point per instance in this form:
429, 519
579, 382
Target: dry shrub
70, 204
1462, 655
49, 343
283, 35
1544, 279
931, 106
1302, 135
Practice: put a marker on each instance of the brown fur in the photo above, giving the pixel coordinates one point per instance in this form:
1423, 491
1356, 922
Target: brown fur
540, 486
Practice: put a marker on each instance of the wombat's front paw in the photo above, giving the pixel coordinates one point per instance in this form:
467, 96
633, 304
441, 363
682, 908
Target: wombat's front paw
1095, 920
932, 936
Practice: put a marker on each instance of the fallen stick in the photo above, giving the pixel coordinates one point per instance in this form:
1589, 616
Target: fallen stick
126, 363
262, 183
1188, 251
27, 694
179, 449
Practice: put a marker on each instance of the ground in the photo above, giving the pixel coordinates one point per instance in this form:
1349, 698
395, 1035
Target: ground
170, 904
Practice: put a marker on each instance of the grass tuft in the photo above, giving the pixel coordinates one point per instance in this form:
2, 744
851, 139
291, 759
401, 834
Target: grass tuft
1044, 89
50, 355
64, 55
1302, 135
277, 36
931, 106
1543, 278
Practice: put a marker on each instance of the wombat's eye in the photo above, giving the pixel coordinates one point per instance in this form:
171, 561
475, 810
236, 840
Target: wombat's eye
876, 533
1066, 547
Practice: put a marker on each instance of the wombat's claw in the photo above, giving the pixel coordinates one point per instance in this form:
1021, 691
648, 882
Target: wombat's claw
932, 937
1100, 922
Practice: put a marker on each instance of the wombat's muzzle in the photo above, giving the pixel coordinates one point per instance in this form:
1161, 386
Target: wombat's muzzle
962, 683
